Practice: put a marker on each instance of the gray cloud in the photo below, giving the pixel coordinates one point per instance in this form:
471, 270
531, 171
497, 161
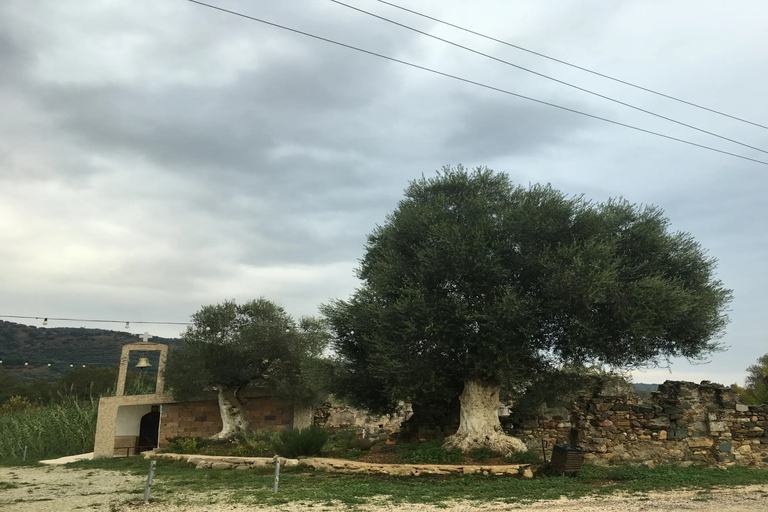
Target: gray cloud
161, 157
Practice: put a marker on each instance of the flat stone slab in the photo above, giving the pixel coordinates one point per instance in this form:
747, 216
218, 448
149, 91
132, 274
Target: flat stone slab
348, 466
67, 460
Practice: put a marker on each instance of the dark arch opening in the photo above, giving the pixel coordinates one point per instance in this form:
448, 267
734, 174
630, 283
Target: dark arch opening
149, 430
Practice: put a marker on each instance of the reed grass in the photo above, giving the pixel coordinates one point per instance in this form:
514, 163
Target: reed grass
49, 431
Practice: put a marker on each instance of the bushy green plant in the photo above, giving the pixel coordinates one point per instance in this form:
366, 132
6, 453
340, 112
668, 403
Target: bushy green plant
300, 442
253, 443
347, 443
431, 452
187, 444
15, 404
483, 454
529, 457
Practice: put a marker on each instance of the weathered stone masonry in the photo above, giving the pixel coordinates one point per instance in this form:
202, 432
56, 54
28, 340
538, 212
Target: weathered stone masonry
203, 419
682, 423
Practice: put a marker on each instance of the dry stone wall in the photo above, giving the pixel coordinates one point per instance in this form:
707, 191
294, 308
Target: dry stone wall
682, 423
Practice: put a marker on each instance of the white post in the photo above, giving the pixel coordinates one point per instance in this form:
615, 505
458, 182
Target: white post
277, 472
150, 477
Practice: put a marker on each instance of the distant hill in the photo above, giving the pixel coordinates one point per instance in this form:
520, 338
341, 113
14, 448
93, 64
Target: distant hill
646, 387
62, 347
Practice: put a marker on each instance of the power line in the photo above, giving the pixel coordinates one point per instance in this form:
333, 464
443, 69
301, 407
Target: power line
563, 82
587, 70
127, 322
479, 84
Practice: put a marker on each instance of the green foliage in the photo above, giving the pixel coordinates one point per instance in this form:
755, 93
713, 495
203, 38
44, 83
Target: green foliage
50, 431
755, 392
253, 443
483, 454
346, 443
529, 457
474, 278
431, 452
304, 442
15, 404
245, 443
232, 345
187, 444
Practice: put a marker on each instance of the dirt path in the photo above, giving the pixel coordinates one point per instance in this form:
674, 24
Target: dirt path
60, 489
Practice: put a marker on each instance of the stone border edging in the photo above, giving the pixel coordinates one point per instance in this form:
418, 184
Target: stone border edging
346, 466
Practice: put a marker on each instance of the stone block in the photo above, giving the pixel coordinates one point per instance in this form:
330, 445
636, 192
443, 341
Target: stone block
742, 408
725, 447
662, 435
717, 426
699, 442
677, 433
745, 449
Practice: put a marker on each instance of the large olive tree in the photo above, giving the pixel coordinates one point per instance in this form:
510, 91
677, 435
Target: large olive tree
230, 346
474, 285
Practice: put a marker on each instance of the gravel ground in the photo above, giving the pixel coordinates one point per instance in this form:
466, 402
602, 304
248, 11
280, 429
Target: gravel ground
56, 488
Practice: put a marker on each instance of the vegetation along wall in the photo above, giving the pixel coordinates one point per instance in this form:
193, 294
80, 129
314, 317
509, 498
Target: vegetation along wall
681, 423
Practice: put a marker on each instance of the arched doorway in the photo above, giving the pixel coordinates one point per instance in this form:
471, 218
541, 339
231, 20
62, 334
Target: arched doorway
149, 430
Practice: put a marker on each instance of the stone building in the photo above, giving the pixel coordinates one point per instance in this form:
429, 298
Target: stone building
129, 424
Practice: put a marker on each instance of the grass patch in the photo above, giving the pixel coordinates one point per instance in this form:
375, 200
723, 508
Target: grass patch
179, 483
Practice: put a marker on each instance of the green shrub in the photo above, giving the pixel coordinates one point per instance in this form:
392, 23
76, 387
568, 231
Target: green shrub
188, 444
482, 454
529, 457
431, 452
253, 443
300, 442
346, 443
15, 404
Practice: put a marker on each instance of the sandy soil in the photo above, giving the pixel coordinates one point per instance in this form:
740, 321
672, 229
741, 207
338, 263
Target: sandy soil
57, 488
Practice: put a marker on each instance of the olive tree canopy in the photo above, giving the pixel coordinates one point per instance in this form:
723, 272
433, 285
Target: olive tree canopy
230, 346
473, 283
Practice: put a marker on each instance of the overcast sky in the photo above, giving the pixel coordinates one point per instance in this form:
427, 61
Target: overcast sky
159, 156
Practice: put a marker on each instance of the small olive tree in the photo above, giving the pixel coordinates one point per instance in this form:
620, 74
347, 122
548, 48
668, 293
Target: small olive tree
230, 346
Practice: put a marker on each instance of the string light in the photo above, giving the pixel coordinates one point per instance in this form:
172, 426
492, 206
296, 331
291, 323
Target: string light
94, 320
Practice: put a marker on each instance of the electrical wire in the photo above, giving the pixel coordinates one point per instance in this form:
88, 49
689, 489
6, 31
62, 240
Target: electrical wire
94, 321
587, 70
479, 84
548, 77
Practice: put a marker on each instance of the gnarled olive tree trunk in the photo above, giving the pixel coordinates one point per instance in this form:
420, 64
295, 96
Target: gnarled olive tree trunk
479, 425
233, 417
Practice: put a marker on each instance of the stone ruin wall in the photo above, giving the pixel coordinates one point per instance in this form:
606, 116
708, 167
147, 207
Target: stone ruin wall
682, 423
